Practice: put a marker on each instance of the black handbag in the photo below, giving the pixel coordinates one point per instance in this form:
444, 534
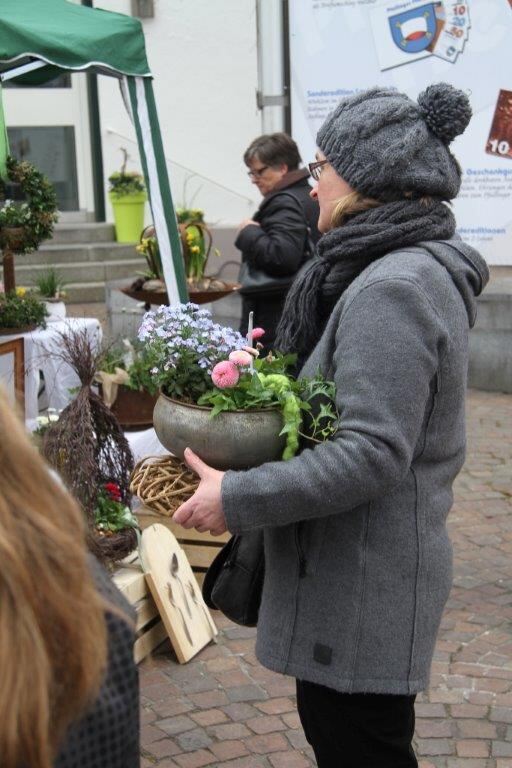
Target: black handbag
254, 280
234, 581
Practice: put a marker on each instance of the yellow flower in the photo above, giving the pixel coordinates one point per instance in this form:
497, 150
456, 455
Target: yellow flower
195, 249
20, 292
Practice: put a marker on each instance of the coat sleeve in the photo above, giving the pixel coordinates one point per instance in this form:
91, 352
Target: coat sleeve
277, 245
388, 348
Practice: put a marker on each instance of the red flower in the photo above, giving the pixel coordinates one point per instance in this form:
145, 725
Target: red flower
113, 490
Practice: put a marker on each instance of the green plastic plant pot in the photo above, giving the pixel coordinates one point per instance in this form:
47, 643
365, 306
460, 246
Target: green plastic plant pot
128, 216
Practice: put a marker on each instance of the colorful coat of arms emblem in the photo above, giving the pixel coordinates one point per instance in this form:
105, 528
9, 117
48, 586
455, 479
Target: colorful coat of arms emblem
414, 30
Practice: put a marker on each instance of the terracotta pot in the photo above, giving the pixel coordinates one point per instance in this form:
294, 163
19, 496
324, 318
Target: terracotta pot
133, 409
230, 440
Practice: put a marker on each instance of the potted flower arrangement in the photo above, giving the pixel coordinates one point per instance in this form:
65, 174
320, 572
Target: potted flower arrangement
115, 525
50, 286
218, 397
127, 193
26, 218
20, 312
28, 211
127, 386
43, 423
90, 452
196, 241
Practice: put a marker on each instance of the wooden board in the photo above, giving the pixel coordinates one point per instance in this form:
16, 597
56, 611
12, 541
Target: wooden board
186, 618
200, 548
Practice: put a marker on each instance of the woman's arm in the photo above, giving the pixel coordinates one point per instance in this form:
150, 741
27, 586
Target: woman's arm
388, 348
277, 245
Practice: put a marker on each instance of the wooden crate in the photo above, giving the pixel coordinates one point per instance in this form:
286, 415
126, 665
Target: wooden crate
200, 548
150, 631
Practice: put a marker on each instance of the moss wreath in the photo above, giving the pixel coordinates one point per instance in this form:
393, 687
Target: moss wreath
38, 214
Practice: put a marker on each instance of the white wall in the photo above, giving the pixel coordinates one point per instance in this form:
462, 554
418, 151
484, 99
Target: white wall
203, 55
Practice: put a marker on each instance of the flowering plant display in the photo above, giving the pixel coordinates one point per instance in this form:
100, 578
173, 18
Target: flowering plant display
20, 309
196, 240
111, 514
45, 422
148, 247
185, 345
37, 213
136, 359
202, 363
123, 182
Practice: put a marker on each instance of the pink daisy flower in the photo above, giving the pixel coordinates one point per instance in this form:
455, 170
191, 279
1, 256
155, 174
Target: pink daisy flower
225, 375
240, 357
257, 333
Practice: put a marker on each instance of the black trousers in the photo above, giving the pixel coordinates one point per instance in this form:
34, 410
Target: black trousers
357, 730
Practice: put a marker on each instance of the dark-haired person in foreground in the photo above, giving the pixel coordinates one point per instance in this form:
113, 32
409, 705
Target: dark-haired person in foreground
281, 236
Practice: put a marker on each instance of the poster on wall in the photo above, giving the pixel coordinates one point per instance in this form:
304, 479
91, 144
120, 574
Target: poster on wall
340, 47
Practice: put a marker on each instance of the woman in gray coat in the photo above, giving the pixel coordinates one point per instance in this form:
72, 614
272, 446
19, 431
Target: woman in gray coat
358, 560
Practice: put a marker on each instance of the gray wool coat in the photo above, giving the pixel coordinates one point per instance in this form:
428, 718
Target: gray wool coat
358, 560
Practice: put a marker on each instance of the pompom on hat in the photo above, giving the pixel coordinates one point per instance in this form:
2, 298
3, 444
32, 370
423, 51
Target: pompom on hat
386, 146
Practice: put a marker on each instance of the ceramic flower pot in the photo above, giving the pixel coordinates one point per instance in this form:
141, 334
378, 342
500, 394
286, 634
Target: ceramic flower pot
230, 440
56, 310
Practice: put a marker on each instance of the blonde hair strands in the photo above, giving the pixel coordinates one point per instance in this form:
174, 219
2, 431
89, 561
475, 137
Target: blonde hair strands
53, 644
349, 205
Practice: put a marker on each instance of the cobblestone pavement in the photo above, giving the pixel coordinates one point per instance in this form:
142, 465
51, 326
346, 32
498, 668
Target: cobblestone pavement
224, 709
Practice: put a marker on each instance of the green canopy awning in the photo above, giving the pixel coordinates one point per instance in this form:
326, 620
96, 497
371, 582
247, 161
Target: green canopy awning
71, 37
40, 38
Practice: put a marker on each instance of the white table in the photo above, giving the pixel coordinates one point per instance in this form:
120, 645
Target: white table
41, 348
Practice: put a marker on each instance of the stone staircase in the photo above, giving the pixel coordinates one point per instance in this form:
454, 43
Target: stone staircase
86, 256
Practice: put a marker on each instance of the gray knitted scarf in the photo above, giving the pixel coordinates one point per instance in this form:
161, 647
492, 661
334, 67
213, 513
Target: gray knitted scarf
343, 253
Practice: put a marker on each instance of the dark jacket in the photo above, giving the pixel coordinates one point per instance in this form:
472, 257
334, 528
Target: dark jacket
353, 595
108, 735
288, 229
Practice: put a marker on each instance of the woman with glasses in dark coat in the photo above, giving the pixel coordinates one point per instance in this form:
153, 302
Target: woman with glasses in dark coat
282, 234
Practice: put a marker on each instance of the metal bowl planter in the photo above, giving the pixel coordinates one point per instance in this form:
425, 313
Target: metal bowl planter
230, 440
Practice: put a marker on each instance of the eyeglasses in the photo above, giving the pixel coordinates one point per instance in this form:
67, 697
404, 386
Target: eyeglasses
257, 172
315, 169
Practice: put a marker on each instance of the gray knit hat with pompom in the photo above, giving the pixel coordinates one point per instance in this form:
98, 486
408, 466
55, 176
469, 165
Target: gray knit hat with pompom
385, 145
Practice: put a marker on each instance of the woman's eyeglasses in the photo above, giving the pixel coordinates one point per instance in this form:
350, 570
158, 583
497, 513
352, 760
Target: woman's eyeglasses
315, 169
257, 172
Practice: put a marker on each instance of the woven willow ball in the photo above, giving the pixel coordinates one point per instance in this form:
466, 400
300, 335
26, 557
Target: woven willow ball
163, 483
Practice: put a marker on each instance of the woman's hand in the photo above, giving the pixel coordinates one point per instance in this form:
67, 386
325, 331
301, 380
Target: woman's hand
203, 511
247, 223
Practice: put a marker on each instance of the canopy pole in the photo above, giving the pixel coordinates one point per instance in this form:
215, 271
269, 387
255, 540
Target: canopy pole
4, 141
17, 71
145, 119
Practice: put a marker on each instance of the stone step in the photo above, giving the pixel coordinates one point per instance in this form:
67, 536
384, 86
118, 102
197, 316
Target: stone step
78, 232
84, 271
84, 293
67, 253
